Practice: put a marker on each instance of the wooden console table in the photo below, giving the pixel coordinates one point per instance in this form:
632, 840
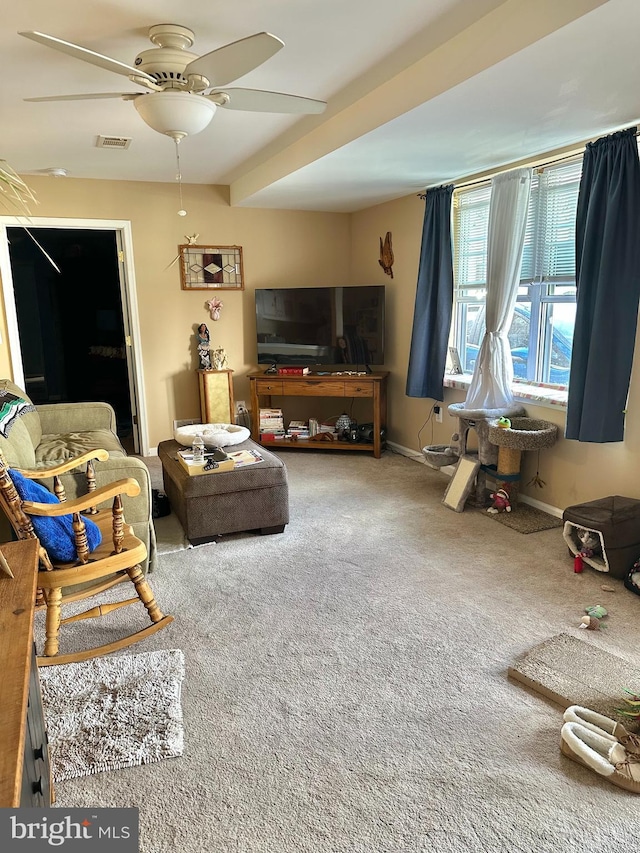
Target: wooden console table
371, 385
25, 775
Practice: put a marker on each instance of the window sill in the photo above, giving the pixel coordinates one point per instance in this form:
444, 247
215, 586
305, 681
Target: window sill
525, 392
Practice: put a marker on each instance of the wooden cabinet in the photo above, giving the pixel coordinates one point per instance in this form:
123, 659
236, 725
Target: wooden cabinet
371, 385
36, 790
25, 773
216, 396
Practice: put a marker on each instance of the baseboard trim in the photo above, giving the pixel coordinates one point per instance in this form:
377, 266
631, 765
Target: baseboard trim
449, 469
551, 510
419, 457
406, 451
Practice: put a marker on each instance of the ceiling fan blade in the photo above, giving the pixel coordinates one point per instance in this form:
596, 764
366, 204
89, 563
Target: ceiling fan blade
236, 59
257, 100
88, 55
127, 96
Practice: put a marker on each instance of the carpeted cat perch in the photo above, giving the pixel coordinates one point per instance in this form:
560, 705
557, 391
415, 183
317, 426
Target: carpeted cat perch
503, 435
523, 434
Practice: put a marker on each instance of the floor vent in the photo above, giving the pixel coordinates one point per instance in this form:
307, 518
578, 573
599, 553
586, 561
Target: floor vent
113, 142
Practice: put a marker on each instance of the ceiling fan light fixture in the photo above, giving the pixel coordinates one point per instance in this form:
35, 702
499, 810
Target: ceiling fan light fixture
175, 114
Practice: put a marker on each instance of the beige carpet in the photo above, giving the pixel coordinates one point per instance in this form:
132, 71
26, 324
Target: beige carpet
113, 712
347, 687
572, 671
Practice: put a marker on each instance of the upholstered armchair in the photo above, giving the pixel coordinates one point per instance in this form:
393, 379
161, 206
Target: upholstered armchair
34, 438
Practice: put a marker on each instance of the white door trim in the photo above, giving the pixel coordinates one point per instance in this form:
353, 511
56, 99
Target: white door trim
130, 294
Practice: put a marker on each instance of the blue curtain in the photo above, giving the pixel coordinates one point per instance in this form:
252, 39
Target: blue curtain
434, 299
608, 288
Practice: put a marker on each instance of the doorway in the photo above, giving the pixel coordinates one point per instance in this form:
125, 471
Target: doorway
74, 327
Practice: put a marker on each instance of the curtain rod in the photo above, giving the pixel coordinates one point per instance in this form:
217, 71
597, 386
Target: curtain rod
534, 164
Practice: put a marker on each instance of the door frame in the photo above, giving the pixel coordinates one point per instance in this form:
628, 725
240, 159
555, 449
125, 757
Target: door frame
128, 296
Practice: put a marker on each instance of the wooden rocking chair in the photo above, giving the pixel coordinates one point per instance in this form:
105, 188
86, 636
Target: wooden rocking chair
115, 560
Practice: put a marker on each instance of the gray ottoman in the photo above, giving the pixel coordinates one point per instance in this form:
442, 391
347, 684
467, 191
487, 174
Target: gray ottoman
209, 505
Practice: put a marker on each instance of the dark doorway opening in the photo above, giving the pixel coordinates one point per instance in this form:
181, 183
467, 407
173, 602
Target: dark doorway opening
71, 324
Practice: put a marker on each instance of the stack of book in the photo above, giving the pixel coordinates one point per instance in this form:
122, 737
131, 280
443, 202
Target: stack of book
298, 431
215, 458
271, 424
327, 428
293, 371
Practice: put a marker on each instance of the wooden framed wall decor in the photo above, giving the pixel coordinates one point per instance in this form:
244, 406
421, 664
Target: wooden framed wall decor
211, 267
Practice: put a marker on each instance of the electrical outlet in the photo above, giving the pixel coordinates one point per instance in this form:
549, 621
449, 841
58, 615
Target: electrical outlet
437, 411
241, 406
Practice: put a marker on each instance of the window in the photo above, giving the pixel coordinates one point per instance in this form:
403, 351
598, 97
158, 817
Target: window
541, 333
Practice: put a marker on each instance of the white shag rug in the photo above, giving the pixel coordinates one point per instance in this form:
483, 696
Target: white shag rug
113, 712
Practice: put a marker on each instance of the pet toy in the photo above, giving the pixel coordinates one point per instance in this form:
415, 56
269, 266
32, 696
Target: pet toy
501, 502
593, 620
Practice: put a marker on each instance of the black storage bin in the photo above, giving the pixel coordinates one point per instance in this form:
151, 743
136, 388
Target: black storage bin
616, 521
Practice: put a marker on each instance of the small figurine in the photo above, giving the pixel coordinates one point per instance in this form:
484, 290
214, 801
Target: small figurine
501, 502
220, 360
204, 351
504, 423
215, 307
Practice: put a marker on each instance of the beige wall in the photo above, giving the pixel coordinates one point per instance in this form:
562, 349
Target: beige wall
289, 248
280, 248
573, 471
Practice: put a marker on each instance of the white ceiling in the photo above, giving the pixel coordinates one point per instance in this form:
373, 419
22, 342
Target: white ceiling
419, 92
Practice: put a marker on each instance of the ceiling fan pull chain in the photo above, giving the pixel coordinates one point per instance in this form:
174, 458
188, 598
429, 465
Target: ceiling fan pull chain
182, 211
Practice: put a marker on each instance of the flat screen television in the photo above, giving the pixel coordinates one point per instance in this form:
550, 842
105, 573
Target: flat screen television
321, 325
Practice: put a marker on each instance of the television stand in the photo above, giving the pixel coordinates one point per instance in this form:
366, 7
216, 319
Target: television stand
371, 385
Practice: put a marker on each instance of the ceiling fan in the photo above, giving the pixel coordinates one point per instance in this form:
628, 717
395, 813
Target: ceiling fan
183, 90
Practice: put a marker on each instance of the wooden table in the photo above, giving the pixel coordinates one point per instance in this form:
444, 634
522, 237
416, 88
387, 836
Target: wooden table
370, 385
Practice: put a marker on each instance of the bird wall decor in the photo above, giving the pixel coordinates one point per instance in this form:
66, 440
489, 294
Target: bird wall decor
386, 254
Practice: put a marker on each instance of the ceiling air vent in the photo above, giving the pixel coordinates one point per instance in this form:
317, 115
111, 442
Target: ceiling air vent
113, 142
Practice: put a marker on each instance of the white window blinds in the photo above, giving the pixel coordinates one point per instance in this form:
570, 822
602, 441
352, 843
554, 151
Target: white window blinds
549, 248
471, 220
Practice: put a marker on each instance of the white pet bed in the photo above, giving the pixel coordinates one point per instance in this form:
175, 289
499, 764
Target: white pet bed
214, 435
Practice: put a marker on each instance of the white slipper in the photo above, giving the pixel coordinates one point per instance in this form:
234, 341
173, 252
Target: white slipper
600, 753
602, 725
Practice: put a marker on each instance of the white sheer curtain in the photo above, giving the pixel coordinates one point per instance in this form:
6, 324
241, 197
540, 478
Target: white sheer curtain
491, 382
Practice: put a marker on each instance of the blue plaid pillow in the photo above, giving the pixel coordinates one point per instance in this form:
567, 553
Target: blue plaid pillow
55, 534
